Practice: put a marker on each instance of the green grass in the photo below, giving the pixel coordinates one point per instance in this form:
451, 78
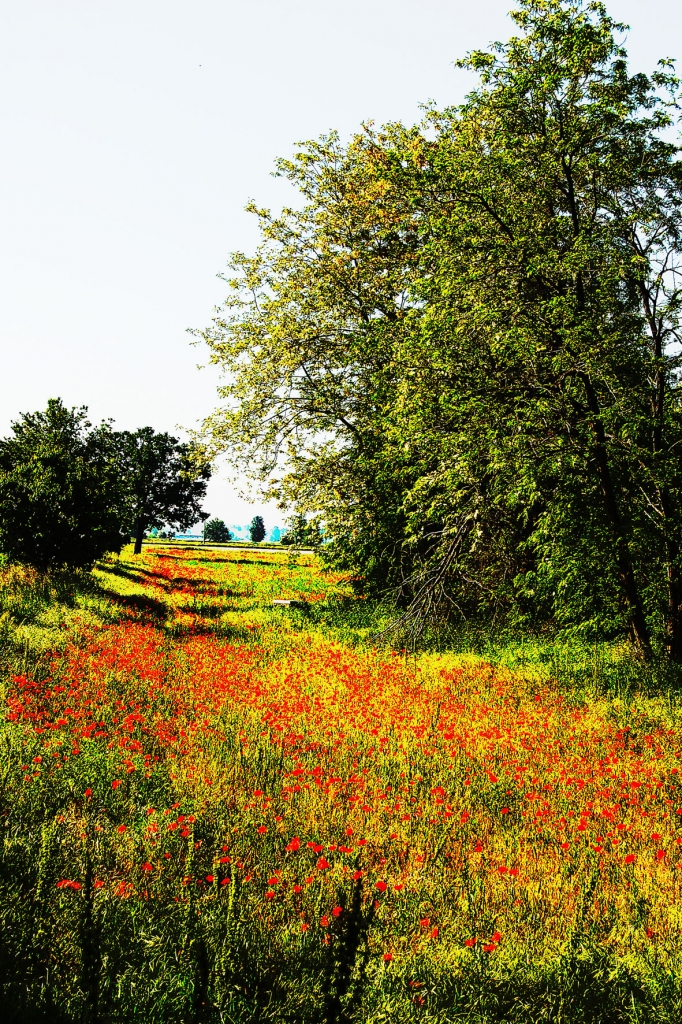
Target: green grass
157, 685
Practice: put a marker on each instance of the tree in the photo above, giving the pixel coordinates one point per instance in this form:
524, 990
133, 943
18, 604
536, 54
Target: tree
59, 490
164, 482
462, 352
549, 410
308, 340
257, 529
216, 532
300, 533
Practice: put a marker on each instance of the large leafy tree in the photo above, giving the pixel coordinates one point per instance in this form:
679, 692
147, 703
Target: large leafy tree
163, 482
546, 353
463, 349
217, 532
307, 339
59, 490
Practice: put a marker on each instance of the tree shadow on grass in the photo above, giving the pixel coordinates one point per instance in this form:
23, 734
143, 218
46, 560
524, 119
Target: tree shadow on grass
136, 575
212, 561
146, 606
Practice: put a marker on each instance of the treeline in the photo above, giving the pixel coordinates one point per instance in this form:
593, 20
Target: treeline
461, 351
71, 492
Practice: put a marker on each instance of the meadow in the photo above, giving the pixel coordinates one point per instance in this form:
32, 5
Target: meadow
216, 810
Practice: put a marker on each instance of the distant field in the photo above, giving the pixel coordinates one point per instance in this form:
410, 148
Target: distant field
216, 810
184, 543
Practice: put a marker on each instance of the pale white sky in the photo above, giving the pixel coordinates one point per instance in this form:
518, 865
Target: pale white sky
134, 131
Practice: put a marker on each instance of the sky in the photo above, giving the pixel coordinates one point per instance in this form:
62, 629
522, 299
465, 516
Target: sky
134, 132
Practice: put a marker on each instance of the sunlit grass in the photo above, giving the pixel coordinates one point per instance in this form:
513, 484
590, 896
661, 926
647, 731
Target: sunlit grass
213, 810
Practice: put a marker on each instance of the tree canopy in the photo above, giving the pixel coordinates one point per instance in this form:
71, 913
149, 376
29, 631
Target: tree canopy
462, 352
301, 533
257, 529
216, 531
59, 490
163, 482
70, 492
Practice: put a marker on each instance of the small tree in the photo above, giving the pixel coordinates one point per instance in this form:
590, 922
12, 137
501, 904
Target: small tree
257, 529
217, 532
59, 490
163, 482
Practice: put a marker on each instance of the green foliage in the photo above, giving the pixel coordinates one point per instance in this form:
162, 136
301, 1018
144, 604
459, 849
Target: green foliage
257, 529
216, 531
463, 349
163, 480
300, 533
59, 490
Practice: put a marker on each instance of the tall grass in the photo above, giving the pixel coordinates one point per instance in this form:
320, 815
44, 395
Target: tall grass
214, 810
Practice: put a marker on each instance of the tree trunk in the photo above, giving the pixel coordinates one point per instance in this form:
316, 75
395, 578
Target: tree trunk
674, 616
139, 534
626, 571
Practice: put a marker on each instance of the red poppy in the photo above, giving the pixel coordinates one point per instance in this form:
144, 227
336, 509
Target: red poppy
293, 845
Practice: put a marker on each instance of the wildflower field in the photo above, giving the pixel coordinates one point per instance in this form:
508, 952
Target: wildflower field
217, 810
